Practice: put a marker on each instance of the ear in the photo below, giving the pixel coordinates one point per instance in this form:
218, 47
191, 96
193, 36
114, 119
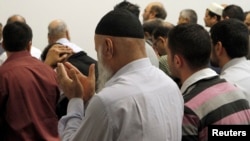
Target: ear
214, 18
108, 50
219, 49
226, 18
162, 39
67, 35
186, 20
51, 39
152, 14
178, 61
29, 46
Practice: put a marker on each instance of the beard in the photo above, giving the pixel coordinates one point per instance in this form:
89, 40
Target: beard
213, 60
104, 74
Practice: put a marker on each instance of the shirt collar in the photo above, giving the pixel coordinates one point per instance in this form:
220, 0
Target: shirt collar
199, 75
132, 66
233, 62
18, 54
63, 40
66, 42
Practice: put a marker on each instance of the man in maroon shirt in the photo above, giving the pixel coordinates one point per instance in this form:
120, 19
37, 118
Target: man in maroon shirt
28, 90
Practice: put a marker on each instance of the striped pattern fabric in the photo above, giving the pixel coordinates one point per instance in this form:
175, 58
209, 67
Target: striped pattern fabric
163, 64
212, 102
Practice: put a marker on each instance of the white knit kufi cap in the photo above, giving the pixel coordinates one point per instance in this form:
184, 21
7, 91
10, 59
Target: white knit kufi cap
215, 8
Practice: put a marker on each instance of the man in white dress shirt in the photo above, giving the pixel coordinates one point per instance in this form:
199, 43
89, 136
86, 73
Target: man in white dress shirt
58, 33
35, 52
135, 101
230, 40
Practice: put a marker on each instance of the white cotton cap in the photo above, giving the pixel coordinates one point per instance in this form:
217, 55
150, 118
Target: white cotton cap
216, 8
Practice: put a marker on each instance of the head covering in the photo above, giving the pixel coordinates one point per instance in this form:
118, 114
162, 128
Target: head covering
120, 23
215, 8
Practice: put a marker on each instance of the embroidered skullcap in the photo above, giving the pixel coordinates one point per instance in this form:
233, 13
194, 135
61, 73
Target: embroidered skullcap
120, 23
216, 8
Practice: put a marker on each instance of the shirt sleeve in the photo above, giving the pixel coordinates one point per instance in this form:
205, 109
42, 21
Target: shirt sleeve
92, 124
190, 126
3, 98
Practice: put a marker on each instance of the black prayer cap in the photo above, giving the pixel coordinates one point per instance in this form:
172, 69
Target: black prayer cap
120, 23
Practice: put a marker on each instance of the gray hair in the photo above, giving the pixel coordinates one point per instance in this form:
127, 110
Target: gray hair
57, 30
190, 14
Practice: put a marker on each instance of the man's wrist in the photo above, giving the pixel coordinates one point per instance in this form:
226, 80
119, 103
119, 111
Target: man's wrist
75, 105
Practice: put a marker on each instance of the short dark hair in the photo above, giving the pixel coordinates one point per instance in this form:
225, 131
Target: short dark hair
16, 36
233, 11
133, 8
162, 31
234, 36
150, 25
191, 41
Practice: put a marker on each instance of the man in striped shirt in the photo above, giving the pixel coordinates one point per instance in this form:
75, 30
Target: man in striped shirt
209, 100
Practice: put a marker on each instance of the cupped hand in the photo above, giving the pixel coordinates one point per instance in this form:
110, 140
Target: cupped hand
74, 83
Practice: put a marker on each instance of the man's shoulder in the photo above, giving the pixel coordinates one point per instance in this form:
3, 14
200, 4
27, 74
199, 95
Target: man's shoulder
83, 56
23, 64
82, 62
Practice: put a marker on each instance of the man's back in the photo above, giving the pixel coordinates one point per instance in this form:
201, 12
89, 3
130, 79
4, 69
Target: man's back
138, 103
28, 90
232, 37
237, 71
141, 106
35, 52
213, 101
135, 100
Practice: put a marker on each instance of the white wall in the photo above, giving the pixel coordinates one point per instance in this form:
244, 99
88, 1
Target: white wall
82, 16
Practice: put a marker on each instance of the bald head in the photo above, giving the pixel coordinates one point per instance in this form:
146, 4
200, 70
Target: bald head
16, 18
154, 10
155, 4
57, 29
